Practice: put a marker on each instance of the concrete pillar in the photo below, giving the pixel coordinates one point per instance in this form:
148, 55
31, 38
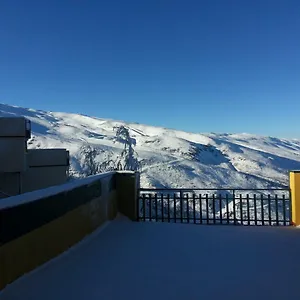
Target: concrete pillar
127, 184
295, 193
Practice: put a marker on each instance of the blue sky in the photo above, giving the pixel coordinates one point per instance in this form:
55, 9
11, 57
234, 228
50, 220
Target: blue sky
201, 66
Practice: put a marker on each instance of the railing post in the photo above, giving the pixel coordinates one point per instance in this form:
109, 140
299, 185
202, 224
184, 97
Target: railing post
127, 190
295, 195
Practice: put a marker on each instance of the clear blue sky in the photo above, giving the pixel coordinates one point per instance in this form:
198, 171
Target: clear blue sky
201, 66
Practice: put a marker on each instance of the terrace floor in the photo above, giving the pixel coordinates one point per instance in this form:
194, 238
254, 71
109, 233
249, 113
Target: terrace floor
127, 260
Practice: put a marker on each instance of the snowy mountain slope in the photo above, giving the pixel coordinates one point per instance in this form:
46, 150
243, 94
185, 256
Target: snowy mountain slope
171, 158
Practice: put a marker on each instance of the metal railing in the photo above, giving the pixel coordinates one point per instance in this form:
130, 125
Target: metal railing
216, 206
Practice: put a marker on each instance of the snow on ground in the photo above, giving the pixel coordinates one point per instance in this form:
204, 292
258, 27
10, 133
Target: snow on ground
128, 260
170, 158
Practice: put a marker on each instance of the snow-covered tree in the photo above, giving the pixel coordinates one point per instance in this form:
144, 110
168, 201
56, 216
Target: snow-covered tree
92, 165
127, 160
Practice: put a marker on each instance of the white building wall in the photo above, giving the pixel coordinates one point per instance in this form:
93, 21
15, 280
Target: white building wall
23, 170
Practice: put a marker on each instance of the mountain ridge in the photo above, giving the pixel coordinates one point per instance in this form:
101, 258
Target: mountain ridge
170, 158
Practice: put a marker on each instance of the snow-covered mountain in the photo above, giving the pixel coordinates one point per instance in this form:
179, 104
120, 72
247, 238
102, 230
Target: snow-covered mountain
171, 158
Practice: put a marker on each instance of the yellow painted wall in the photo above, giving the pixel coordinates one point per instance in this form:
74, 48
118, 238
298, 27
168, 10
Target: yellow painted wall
28, 251
31, 250
295, 193
40, 245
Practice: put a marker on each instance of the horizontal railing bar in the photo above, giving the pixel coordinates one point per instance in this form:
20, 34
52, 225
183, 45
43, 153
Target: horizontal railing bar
210, 222
232, 224
205, 222
216, 189
223, 198
223, 220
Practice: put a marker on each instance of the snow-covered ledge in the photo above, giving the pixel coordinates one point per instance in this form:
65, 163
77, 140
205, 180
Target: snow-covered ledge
38, 226
39, 194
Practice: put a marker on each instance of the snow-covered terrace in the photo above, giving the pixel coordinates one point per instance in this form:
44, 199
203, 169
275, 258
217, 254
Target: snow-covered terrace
130, 260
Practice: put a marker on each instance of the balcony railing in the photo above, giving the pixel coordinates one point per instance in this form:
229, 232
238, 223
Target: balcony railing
216, 206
